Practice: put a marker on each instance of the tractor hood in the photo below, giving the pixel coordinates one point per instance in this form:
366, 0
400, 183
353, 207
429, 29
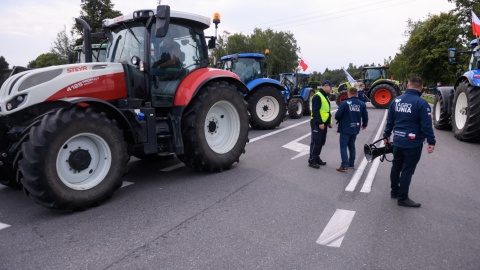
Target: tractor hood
97, 80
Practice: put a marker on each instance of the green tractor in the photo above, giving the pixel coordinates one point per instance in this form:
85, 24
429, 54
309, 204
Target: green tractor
380, 90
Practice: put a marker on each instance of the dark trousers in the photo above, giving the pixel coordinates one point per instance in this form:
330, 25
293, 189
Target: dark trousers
404, 162
347, 142
318, 141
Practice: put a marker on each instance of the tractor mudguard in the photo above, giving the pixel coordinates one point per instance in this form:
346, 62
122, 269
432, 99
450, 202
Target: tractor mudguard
304, 93
253, 84
109, 109
473, 77
189, 86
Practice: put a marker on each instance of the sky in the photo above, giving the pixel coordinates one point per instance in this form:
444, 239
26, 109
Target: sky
330, 34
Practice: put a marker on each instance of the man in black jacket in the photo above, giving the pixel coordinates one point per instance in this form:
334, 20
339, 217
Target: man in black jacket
409, 117
320, 121
351, 116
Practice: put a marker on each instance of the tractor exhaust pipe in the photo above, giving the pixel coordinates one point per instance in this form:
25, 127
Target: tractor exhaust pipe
87, 43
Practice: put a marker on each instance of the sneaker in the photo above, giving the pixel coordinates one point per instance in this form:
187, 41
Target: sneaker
351, 165
321, 162
341, 169
408, 203
393, 195
314, 165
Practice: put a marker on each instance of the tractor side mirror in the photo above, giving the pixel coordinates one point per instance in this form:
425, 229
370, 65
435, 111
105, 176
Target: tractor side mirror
212, 43
451, 55
162, 20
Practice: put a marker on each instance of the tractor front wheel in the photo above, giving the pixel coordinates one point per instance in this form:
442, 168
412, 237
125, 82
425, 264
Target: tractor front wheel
466, 112
441, 117
307, 104
73, 159
295, 108
267, 108
382, 96
341, 96
214, 128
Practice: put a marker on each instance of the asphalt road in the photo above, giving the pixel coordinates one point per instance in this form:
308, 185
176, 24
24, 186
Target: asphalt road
270, 211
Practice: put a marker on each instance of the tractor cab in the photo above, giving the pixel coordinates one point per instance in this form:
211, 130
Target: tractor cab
246, 65
371, 74
158, 49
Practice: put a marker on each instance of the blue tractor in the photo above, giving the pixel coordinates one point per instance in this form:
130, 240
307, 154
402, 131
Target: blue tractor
298, 93
458, 107
265, 100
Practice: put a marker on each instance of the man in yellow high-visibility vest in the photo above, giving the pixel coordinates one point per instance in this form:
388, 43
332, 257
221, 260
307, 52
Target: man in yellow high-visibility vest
320, 121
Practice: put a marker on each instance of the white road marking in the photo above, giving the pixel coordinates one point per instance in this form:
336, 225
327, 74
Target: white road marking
303, 149
277, 131
373, 169
171, 168
3, 226
337, 227
126, 184
281, 130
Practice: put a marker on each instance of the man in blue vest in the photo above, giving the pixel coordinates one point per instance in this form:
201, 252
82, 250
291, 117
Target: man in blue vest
320, 121
409, 117
351, 116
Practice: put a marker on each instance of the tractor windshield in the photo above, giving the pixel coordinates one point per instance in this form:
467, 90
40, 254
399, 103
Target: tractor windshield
126, 42
247, 68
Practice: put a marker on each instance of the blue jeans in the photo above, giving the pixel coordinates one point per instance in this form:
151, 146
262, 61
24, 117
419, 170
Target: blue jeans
347, 141
318, 141
404, 162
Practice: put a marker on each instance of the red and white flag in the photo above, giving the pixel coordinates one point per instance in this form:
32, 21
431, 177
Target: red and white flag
475, 24
303, 64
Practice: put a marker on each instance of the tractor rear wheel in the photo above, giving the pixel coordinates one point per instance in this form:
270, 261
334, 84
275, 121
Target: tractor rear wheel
441, 117
382, 95
73, 159
214, 128
267, 108
466, 112
341, 96
295, 108
307, 104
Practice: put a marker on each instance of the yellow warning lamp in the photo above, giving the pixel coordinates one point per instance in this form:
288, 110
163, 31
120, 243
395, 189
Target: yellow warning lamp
267, 51
216, 18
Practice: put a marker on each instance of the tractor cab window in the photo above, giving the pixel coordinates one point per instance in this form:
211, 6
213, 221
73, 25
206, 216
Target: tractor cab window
475, 61
247, 69
126, 42
171, 58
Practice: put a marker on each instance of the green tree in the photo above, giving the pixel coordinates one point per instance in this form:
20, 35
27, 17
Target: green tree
463, 10
94, 12
46, 60
425, 52
3, 65
62, 45
282, 46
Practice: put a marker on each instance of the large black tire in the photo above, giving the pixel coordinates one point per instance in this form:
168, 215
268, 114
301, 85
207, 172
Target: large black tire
295, 108
267, 107
73, 159
441, 117
307, 104
466, 112
382, 95
341, 96
215, 128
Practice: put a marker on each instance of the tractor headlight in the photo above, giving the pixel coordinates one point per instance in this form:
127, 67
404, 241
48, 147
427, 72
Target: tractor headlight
15, 102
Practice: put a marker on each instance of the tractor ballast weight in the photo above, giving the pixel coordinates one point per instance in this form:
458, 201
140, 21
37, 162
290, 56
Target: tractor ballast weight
67, 132
457, 107
265, 101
